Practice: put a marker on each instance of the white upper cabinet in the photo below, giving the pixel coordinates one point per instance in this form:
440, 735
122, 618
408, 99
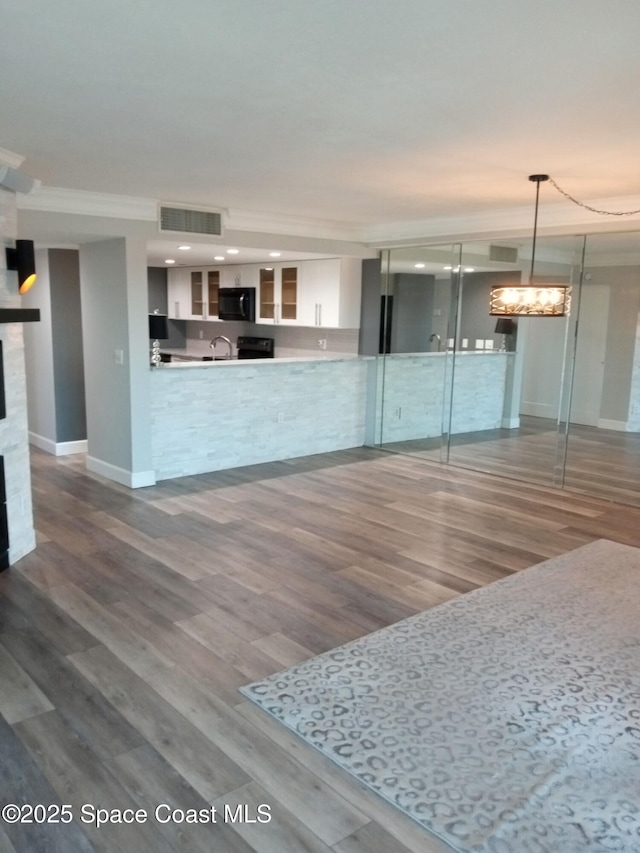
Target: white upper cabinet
179, 294
278, 295
330, 291
324, 293
192, 294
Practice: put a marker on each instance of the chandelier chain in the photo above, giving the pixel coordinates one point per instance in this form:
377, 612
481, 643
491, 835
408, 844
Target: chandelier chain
588, 207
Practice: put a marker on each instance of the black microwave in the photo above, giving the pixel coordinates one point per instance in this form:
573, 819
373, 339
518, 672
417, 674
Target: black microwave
237, 303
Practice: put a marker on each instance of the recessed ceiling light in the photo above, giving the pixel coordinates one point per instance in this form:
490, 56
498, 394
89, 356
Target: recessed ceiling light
269, 269
219, 258
184, 248
274, 254
169, 261
232, 251
447, 268
469, 269
419, 266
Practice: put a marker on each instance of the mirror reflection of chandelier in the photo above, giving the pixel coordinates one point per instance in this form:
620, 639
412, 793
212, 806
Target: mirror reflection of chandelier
553, 300
531, 300
540, 300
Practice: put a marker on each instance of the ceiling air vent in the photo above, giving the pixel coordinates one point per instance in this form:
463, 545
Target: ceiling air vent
506, 254
187, 220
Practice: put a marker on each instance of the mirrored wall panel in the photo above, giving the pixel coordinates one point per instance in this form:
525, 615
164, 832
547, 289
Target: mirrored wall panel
543, 398
417, 313
512, 374
603, 449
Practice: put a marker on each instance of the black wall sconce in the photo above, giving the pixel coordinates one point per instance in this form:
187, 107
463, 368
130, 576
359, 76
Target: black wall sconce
22, 260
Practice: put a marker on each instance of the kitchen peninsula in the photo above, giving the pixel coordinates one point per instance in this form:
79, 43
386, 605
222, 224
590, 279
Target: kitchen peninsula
215, 415
209, 416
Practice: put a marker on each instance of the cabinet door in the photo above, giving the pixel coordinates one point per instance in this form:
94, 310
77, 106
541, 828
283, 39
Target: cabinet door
249, 275
320, 293
178, 295
212, 289
228, 277
267, 296
196, 294
239, 275
287, 307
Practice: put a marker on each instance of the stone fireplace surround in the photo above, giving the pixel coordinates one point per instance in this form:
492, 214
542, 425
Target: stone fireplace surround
14, 440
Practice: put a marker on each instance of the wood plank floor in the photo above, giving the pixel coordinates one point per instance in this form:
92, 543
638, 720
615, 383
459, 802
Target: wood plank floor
598, 461
125, 635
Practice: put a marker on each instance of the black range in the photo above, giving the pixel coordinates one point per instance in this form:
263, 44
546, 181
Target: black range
255, 347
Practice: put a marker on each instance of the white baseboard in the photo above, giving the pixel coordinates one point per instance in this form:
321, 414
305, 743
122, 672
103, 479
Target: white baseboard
67, 448
57, 448
620, 426
538, 410
131, 479
510, 423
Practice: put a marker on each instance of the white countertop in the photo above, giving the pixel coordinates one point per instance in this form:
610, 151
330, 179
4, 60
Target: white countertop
194, 359
235, 362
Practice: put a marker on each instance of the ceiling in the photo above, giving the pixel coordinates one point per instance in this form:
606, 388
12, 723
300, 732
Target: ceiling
353, 111
203, 254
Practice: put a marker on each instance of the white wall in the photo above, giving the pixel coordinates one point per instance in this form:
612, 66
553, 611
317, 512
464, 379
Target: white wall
113, 280
546, 339
624, 304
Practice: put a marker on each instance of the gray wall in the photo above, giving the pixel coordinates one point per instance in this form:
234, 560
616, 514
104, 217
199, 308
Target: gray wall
412, 313
157, 283
38, 346
369, 336
53, 352
475, 320
68, 360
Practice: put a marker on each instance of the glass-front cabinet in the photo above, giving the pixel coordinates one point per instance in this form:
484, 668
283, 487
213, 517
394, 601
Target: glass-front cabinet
289, 293
213, 287
278, 295
267, 294
197, 294
205, 285
193, 294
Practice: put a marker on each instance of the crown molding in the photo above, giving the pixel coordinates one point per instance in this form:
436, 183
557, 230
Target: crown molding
556, 218
60, 200
295, 226
559, 218
10, 158
612, 260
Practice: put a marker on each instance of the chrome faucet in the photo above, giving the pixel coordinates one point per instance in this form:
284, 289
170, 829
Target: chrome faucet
226, 340
437, 338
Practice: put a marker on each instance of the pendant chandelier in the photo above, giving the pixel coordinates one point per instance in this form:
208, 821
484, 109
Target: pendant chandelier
531, 300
